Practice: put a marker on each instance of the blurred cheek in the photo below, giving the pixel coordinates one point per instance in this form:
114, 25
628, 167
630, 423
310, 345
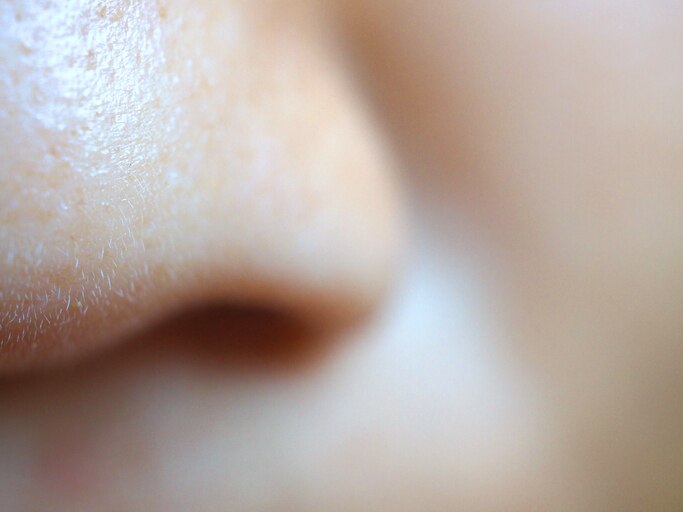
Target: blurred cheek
558, 125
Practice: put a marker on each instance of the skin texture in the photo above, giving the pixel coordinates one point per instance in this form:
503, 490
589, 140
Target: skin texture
198, 156
172, 156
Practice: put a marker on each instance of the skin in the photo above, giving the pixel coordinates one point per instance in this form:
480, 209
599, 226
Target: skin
559, 127
171, 159
198, 157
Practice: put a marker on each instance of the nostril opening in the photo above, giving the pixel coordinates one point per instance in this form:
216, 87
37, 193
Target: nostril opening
238, 338
227, 338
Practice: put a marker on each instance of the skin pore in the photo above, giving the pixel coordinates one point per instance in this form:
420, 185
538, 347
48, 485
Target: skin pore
167, 167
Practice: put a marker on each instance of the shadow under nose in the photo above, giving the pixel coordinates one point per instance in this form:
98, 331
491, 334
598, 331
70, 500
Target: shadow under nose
238, 338
227, 339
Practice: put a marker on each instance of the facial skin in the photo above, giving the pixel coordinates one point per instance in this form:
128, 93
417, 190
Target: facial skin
160, 157
558, 124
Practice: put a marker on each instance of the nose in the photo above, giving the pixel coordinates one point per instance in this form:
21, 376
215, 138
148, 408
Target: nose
158, 158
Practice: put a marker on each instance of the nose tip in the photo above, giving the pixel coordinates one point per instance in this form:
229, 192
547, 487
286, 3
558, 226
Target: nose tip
275, 194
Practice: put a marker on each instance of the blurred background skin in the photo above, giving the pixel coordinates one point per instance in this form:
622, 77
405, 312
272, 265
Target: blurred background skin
526, 356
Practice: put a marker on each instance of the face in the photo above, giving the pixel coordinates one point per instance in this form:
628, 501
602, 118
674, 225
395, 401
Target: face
214, 297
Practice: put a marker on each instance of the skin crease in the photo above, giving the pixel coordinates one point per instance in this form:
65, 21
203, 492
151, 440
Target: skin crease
528, 355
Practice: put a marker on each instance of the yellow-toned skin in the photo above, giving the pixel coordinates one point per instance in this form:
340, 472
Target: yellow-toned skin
160, 156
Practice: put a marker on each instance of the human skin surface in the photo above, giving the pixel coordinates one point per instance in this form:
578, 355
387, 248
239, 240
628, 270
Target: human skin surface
166, 164
558, 124
166, 155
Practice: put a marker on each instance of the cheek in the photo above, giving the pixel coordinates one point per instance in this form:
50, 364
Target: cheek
156, 157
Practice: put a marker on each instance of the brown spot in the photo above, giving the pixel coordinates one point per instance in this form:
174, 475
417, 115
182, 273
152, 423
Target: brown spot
116, 15
163, 9
90, 59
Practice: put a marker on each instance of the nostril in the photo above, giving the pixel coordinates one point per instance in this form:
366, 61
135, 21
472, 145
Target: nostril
223, 338
238, 338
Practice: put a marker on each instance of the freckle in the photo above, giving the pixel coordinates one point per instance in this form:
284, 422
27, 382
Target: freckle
163, 9
25, 49
91, 62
